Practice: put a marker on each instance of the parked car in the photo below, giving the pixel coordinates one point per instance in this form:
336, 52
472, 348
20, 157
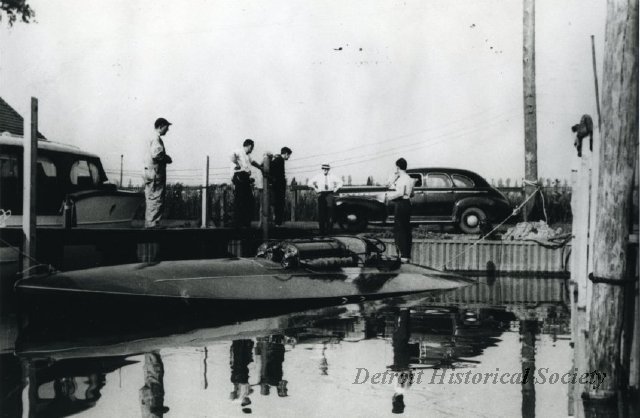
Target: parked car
441, 195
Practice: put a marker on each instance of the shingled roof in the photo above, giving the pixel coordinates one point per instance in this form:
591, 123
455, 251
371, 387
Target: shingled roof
11, 121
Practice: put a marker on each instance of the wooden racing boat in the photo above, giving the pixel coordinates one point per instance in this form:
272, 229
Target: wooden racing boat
285, 277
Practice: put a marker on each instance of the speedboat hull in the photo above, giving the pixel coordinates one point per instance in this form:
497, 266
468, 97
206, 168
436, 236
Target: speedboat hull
234, 287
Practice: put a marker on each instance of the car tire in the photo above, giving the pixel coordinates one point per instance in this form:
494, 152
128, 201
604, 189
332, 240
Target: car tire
470, 219
353, 220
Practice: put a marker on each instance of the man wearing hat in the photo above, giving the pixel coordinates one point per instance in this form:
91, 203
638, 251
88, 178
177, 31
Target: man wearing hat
326, 185
279, 183
155, 175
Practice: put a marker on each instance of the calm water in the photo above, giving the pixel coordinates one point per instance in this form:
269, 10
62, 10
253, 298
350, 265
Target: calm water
437, 355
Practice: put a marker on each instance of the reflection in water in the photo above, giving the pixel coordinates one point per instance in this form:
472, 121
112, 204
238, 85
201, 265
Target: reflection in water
528, 331
402, 371
241, 356
402, 337
271, 351
152, 393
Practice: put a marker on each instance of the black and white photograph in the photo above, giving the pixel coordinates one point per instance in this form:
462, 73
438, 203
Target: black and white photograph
305, 208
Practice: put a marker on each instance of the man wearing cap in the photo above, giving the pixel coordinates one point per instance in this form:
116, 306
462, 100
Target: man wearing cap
155, 175
400, 196
279, 183
241, 163
326, 185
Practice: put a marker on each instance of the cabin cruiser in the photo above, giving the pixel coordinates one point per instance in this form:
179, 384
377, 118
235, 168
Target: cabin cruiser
65, 176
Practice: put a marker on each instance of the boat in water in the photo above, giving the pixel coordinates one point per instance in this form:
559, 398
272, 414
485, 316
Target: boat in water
285, 276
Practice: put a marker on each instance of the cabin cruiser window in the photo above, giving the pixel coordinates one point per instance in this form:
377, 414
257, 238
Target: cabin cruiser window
10, 183
84, 173
48, 193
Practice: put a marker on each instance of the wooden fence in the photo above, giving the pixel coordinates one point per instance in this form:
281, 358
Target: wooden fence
184, 202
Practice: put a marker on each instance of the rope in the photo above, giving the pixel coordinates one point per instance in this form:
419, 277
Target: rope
515, 211
38, 263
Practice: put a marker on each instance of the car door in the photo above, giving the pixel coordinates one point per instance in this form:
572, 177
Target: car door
419, 199
440, 197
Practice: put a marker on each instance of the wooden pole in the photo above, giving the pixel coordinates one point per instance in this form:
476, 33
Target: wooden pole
595, 80
266, 163
529, 94
205, 200
617, 155
30, 160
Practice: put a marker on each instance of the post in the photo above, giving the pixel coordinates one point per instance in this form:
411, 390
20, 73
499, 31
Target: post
266, 163
617, 154
529, 95
121, 161
595, 80
205, 200
294, 199
30, 161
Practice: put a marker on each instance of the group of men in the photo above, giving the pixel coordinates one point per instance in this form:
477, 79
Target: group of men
324, 184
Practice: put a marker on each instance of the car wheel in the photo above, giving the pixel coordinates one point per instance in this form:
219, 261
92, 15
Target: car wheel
470, 220
353, 220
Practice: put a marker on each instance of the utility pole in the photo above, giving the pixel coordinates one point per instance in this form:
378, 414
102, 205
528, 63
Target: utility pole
121, 161
30, 161
205, 200
617, 156
529, 93
264, 215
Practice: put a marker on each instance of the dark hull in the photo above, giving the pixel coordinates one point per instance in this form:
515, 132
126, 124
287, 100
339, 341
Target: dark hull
60, 309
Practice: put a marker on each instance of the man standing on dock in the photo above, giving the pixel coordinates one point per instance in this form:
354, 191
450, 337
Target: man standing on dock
400, 196
241, 163
279, 183
326, 185
155, 175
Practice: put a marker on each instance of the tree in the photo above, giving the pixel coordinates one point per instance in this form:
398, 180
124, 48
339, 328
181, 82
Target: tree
12, 10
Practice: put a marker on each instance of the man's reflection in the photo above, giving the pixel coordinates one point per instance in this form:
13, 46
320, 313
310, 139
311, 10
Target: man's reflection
271, 351
324, 364
152, 393
241, 356
403, 376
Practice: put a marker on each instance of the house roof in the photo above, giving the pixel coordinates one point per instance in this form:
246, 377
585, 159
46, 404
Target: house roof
11, 121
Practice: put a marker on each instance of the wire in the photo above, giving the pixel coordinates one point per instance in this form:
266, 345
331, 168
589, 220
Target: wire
19, 251
515, 211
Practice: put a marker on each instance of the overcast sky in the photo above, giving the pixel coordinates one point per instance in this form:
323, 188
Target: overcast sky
356, 84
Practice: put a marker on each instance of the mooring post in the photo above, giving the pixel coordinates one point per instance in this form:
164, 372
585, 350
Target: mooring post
205, 200
617, 155
29, 186
529, 101
266, 163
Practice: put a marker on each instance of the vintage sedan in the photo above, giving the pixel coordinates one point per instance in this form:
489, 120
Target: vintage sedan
441, 195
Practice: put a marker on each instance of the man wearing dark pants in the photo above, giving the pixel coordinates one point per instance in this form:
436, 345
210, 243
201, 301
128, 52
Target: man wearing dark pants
243, 194
279, 183
326, 185
401, 197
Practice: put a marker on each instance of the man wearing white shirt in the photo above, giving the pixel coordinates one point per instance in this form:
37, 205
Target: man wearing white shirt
241, 163
326, 185
155, 175
401, 197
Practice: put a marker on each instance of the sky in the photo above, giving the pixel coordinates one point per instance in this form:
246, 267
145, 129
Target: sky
356, 84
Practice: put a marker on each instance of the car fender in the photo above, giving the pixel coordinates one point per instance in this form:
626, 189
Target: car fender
375, 209
494, 209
